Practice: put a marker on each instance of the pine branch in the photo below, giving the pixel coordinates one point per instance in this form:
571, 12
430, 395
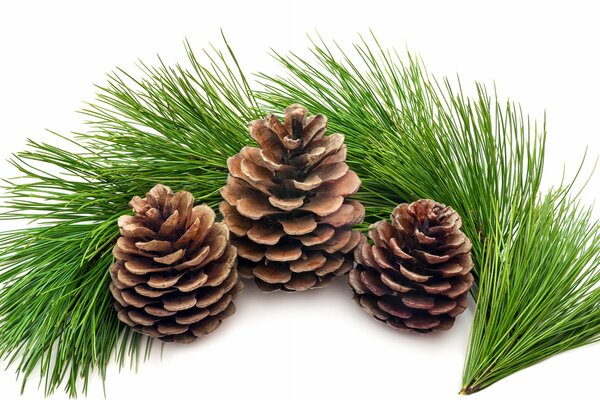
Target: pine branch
411, 136
173, 126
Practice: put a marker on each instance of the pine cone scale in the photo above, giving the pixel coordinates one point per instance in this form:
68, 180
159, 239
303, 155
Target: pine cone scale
273, 273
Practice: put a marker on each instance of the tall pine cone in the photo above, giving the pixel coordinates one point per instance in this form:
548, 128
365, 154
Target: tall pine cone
175, 272
286, 203
416, 276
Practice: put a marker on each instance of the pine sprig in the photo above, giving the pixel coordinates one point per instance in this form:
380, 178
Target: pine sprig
411, 136
172, 125
533, 304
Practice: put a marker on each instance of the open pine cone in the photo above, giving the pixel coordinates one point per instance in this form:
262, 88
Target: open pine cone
286, 203
175, 272
416, 276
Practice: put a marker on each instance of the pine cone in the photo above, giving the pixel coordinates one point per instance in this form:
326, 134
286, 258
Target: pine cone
286, 205
175, 272
417, 274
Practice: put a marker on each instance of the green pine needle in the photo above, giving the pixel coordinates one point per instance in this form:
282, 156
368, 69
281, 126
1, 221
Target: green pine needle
410, 136
172, 126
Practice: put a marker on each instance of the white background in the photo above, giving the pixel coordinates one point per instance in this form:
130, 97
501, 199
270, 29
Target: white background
317, 344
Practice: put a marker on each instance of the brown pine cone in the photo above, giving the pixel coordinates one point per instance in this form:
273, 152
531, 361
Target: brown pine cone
175, 274
286, 203
416, 276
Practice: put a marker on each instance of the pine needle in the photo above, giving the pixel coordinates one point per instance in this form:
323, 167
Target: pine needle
173, 126
411, 136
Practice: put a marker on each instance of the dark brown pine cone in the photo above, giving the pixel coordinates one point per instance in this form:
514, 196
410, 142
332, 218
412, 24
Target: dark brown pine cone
416, 276
286, 203
175, 274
